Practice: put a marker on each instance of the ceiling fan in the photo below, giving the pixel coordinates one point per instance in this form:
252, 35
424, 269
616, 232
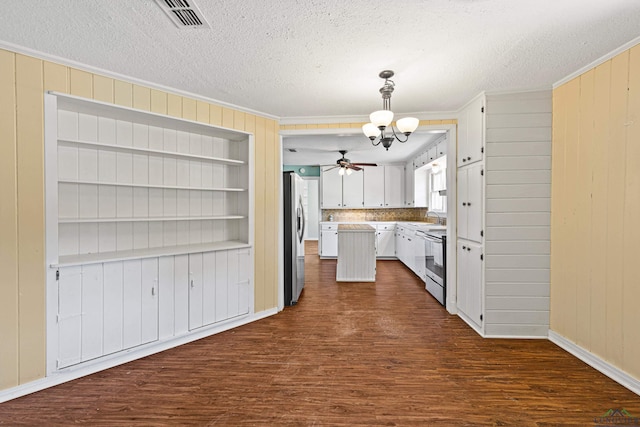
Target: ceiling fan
345, 164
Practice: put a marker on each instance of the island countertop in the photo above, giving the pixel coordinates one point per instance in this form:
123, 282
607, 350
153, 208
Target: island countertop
356, 228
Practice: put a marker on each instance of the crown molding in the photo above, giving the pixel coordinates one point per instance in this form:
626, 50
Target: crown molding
597, 62
517, 91
305, 120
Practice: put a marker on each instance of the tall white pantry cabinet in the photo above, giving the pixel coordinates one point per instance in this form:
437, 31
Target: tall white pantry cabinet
149, 228
503, 213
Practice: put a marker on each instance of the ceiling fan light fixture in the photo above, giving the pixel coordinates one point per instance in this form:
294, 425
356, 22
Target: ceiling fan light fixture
349, 171
341, 171
382, 119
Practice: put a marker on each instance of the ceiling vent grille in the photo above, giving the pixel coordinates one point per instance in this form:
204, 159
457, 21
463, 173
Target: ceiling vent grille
183, 13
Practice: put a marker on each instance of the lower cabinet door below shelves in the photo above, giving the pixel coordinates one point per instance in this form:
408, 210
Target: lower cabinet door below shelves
106, 308
109, 307
218, 286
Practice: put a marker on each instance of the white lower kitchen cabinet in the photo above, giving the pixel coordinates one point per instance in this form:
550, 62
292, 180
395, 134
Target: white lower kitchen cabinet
386, 243
469, 274
404, 247
329, 240
418, 254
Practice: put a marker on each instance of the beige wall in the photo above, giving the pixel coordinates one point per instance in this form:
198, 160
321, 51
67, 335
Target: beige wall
23, 81
595, 213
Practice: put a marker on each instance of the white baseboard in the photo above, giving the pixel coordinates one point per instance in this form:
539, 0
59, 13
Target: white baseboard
516, 337
595, 362
91, 367
471, 324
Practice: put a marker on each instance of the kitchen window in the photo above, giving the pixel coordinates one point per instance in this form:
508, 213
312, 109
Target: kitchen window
437, 188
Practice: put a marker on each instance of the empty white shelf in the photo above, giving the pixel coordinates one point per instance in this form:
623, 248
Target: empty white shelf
151, 151
70, 260
148, 219
167, 187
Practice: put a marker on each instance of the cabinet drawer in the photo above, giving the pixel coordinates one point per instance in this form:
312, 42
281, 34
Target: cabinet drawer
389, 227
329, 227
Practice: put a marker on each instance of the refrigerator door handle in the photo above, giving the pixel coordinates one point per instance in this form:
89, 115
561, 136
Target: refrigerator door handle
301, 221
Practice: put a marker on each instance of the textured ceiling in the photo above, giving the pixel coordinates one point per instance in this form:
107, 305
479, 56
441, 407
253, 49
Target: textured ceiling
293, 58
306, 58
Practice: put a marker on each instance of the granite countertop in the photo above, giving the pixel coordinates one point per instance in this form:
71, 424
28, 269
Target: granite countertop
411, 225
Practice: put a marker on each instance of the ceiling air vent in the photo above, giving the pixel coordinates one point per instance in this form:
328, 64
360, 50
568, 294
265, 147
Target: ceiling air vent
183, 13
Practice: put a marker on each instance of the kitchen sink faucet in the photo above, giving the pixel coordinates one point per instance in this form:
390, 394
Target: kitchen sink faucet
438, 220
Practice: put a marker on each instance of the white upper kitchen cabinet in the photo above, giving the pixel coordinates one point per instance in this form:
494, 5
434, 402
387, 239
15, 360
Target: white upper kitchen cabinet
374, 187
471, 132
393, 186
331, 188
432, 154
470, 184
353, 189
441, 148
384, 186
409, 185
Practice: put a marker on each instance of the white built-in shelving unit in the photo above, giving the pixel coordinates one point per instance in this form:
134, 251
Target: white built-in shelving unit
149, 227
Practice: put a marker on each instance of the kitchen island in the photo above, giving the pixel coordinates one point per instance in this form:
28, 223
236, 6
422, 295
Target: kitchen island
356, 253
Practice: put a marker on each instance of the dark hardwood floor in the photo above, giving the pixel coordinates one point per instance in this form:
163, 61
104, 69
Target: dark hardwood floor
348, 354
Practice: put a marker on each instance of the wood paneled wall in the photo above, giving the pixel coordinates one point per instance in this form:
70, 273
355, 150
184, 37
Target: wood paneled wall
595, 226
517, 212
23, 81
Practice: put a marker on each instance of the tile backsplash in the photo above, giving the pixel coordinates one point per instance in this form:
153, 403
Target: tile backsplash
401, 214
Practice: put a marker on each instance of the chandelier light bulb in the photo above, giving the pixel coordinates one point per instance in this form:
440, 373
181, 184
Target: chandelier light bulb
371, 131
381, 118
407, 125
341, 171
349, 171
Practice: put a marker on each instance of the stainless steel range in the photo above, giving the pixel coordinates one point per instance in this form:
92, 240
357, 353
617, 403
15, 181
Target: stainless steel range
436, 264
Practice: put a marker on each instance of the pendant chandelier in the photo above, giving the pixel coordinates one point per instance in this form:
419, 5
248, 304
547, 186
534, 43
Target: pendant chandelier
381, 119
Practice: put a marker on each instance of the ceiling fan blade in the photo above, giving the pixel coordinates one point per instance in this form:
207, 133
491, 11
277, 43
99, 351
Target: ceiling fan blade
333, 167
364, 164
354, 167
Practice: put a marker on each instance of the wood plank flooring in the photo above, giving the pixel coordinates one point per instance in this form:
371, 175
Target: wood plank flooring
349, 354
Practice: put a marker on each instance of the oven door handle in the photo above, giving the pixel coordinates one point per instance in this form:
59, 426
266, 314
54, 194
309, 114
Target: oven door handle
431, 239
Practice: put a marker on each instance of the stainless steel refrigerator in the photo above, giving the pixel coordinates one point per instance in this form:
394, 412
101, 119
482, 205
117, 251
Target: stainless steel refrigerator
294, 225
